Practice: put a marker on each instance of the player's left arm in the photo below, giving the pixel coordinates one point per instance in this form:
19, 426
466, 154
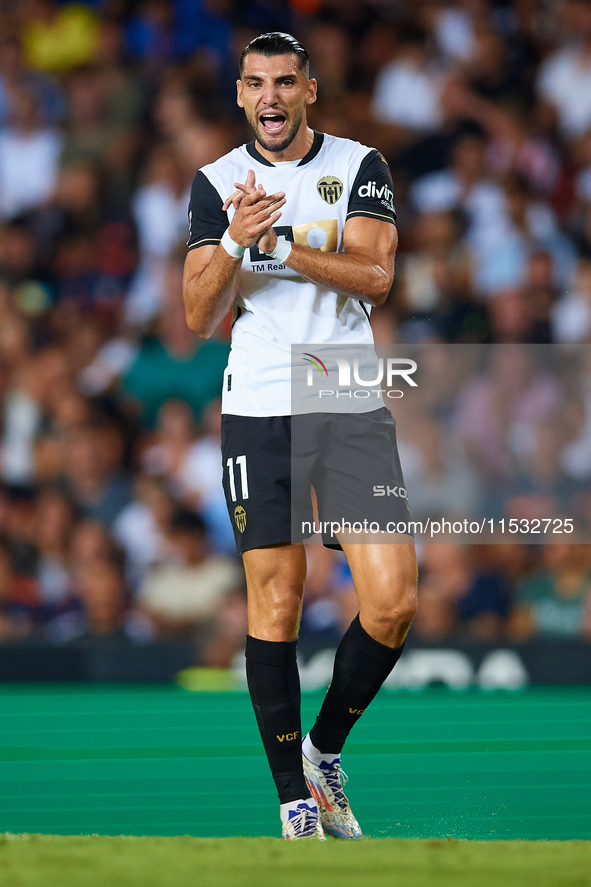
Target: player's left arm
365, 269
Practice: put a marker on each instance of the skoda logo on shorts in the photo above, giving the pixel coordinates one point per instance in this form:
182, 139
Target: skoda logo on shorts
240, 518
330, 188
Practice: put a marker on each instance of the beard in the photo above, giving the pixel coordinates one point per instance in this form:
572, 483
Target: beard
276, 148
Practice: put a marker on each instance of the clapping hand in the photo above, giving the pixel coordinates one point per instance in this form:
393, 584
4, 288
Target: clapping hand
255, 214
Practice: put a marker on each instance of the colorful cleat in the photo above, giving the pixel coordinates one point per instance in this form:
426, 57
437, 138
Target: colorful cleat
303, 822
326, 787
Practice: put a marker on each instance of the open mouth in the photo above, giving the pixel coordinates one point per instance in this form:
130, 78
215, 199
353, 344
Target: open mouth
272, 123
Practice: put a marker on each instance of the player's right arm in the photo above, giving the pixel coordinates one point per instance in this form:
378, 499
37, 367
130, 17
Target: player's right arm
211, 275
210, 285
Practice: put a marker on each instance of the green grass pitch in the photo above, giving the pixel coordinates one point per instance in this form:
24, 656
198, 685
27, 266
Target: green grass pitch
51, 861
464, 789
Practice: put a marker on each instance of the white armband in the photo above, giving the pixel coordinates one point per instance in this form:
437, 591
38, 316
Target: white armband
232, 248
281, 251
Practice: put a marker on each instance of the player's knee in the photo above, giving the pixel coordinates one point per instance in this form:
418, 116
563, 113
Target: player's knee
398, 614
407, 607
281, 619
275, 608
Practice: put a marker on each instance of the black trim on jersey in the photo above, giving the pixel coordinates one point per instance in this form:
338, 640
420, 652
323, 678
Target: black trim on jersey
236, 313
251, 148
316, 146
364, 308
375, 179
207, 220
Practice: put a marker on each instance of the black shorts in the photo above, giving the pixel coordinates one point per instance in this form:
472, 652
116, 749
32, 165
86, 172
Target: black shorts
350, 460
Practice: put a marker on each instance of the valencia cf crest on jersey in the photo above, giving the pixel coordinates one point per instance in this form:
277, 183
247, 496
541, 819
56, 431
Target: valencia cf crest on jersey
330, 188
240, 518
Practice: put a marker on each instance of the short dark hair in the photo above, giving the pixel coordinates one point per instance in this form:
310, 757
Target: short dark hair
277, 43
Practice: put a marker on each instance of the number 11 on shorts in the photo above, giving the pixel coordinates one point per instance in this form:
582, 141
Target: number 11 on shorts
241, 461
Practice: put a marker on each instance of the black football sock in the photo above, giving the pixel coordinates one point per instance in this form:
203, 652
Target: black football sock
361, 666
274, 686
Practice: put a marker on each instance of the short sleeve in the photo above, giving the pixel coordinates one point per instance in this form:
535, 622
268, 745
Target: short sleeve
372, 194
207, 220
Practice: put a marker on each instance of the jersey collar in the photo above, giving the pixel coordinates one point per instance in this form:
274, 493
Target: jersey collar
316, 146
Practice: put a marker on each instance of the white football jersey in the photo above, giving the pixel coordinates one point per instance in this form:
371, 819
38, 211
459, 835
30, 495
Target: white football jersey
276, 307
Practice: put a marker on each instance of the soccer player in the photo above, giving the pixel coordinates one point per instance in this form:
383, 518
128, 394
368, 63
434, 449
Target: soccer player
251, 215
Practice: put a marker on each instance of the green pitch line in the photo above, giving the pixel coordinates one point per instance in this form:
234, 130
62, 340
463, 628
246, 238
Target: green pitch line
162, 761
45, 861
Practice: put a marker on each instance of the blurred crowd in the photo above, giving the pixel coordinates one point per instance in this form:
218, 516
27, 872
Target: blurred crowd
112, 521
500, 435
